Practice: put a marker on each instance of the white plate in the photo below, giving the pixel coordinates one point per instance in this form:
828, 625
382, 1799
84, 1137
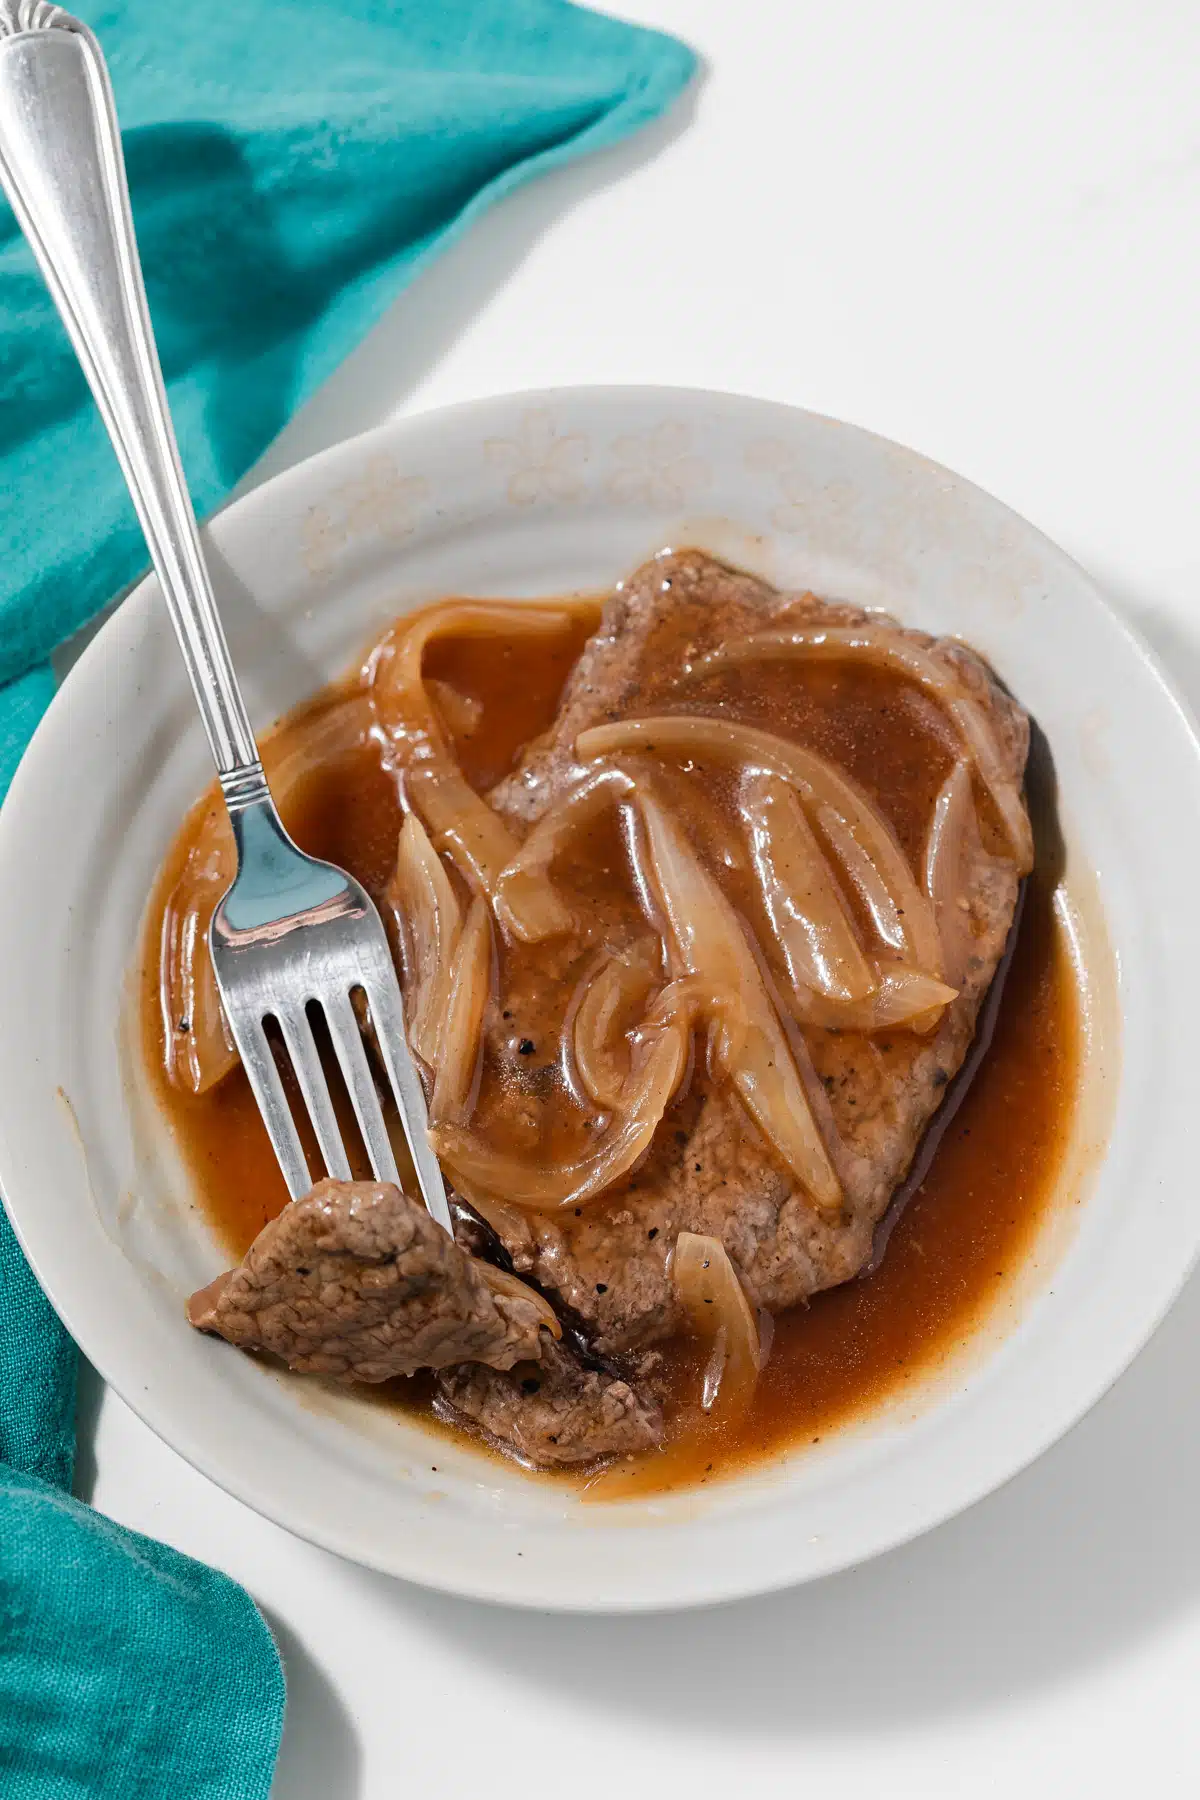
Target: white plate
535, 494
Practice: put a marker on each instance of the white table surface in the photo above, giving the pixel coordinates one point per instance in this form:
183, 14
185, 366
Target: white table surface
974, 229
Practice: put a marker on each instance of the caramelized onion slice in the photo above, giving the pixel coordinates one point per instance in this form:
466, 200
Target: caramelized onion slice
511, 1287
807, 913
888, 649
203, 1054
508, 1222
952, 847
692, 999
706, 940
659, 1060
520, 898
430, 921
461, 1036
905, 997
865, 878
816, 932
458, 712
198, 1049
719, 1314
403, 705
461, 821
863, 831
613, 998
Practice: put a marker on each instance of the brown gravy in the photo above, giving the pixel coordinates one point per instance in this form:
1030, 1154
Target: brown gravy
961, 1240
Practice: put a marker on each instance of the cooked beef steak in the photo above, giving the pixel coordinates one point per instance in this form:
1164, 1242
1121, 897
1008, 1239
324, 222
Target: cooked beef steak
710, 1170
357, 1281
554, 1411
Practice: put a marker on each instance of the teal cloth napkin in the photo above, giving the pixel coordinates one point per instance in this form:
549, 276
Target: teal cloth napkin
293, 164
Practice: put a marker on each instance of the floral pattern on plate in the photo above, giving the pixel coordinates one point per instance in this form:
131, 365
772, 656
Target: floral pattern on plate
378, 502
539, 462
657, 467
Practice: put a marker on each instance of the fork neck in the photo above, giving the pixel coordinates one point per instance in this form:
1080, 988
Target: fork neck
275, 879
245, 787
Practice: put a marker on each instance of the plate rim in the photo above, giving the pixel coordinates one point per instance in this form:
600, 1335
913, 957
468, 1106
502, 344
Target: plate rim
142, 598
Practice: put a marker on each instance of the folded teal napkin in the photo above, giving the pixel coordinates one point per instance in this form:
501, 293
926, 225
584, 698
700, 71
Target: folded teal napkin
293, 164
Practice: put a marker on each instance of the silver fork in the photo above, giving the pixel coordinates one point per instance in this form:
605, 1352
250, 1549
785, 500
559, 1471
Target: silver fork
292, 934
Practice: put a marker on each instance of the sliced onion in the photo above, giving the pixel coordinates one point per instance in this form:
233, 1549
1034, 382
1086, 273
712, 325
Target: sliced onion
719, 1314
659, 1060
199, 1056
507, 1286
430, 920
461, 1036
807, 913
889, 649
508, 1222
521, 890
459, 712
613, 998
865, 878
461, 821
196, 1059
706, 940
952, 847
394, 675
1005, 793
905, 997
701, 805
815, 930
818, 783
613, 989
692, 999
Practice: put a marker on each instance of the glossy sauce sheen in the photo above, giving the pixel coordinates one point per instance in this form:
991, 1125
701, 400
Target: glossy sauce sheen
965, 1233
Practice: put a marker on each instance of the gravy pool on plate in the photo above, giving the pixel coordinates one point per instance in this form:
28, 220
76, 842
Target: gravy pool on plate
702, 904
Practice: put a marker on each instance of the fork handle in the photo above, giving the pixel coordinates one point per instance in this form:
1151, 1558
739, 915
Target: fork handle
63, 170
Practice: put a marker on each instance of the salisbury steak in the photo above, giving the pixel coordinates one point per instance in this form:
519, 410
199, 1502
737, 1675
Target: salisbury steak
710, 1170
